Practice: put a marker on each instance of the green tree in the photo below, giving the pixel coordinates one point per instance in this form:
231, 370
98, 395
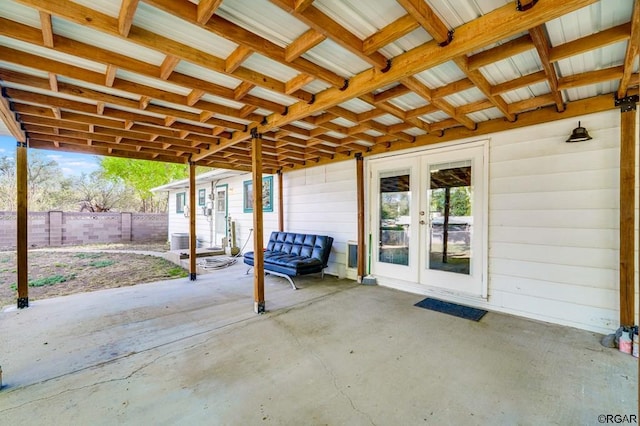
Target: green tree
141, 176
460, 201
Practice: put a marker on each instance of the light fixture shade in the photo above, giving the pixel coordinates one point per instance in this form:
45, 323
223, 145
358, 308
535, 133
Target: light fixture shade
579, 134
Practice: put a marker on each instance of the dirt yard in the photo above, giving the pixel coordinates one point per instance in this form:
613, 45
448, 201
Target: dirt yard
59, 272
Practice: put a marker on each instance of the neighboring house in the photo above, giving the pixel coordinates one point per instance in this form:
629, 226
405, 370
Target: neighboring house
543, 242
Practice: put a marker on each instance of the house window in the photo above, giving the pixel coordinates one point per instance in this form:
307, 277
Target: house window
180, 201
201, 197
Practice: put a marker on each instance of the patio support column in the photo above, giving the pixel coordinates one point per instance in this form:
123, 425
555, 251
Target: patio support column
258, 250
22, 225
627, 208
280, 203
192, 221
360, 199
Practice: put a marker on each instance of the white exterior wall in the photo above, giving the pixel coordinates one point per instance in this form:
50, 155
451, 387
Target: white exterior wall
322, 200
553, 220
554, 223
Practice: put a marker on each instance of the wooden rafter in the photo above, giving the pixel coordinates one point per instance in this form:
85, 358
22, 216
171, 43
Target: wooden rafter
125, 17
631, 52
541, 42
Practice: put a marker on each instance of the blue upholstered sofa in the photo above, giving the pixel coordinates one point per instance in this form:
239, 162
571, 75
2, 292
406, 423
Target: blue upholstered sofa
290, 254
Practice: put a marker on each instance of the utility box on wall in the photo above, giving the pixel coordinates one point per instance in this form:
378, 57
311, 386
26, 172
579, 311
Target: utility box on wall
352, 260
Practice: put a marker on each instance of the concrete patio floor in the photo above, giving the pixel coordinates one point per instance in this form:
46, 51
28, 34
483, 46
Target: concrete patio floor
333, 352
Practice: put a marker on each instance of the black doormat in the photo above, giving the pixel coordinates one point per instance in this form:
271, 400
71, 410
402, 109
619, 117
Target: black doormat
454, 309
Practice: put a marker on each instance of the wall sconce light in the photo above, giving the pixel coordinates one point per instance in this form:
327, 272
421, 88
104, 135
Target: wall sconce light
579, 134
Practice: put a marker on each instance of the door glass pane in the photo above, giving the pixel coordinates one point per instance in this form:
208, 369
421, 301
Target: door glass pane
450, 215
395, 218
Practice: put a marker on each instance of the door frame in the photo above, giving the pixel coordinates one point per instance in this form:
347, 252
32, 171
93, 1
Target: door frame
411, 281
226, 212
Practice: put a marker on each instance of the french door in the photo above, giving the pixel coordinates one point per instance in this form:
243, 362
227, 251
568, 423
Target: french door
428, 220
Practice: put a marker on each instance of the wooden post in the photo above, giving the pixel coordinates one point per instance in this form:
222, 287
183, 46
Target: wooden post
360, 200
22, 223
258, 253
192, 221
280, 203
627, 208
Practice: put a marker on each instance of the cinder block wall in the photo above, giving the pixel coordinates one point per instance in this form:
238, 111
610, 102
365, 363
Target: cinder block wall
55, 228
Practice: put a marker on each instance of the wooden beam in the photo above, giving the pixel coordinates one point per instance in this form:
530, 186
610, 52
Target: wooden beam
192, 222
361, 272
541, 42
258, 235
206, 9
168, 65
632, 51
110, 75
9, 119
236, 58
592, 42
125, 17
301, 5
426, 17
501, 52
22, 226
628, 135
305, 42
390, 33
297, 83
47, 29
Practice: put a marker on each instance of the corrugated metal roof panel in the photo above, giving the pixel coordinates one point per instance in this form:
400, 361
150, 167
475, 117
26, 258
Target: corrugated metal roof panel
135, 111
434, 117
4, 130
414, 39
278, 98
264, 19
409, 101
47, 92
343, 122
357, 106
151, 82
222, 101
441, 75
202, 73
485, 115
108, 7
588, 20
361, 18
332, 56
316, 86
98, 88
414, 131
605, 57
105, 41
387, 120
466, 97
175, 106
52, 54
591, 90
512, 68
19, 13
160, 22
269, 67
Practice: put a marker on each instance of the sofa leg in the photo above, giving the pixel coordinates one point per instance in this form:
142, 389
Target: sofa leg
293, 285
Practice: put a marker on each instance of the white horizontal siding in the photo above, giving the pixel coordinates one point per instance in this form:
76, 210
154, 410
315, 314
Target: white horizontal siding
554, 225
322, 200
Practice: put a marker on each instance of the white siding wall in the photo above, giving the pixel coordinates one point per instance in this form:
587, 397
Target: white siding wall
553, 223
553, 220
322, 200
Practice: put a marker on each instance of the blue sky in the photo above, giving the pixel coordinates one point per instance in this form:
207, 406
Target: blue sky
72, 164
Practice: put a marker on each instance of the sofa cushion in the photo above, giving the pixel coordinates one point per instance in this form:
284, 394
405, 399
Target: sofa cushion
295, 254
